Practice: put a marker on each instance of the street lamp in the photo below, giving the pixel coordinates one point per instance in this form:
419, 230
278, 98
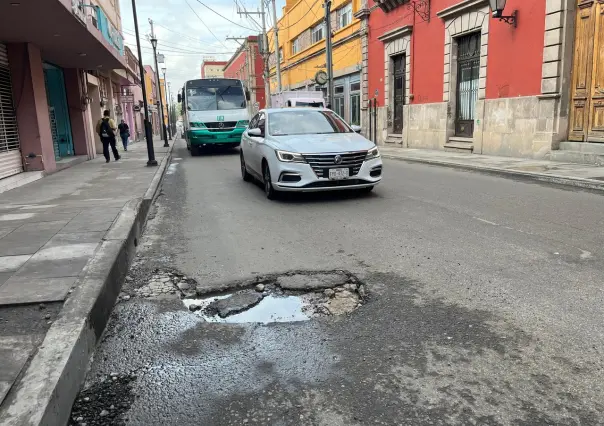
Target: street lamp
161, 104
163, 69
497, 6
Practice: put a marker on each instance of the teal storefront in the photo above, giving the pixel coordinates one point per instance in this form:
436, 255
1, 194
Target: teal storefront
58, 111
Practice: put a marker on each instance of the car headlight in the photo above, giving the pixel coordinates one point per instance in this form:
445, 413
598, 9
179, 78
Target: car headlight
373, 153
243, 123
290, 157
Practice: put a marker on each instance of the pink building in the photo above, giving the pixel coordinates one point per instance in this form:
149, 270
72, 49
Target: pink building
62, 62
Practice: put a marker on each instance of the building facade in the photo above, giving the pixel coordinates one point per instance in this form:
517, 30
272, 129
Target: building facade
131, 98
302, 52
212, 69
247, 65
446, 75
61, 63
152, 99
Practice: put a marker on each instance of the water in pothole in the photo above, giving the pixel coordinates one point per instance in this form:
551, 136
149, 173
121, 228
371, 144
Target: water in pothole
271, 308
271, 303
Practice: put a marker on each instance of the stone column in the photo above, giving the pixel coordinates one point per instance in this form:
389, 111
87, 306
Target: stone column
31, 105
363, 15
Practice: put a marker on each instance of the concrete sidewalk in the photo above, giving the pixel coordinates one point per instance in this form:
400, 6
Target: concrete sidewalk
55, 234
578, 175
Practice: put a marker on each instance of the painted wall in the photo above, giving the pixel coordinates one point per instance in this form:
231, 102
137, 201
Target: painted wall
29, 93
514, 59
516, 54
212, 69
238, 67
150, 85
301, 67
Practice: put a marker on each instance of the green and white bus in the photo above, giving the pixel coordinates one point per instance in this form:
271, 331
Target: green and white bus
215, 112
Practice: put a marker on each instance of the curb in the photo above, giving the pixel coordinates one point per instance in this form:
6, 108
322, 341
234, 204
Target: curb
46, 390
590, 184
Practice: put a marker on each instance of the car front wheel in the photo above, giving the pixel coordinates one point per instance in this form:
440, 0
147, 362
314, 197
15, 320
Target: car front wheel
244, 173
270, 192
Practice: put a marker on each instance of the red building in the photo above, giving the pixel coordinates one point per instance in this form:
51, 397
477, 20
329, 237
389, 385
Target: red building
448, 75
247, 65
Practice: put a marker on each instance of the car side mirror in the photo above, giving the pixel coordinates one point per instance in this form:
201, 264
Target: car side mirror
356, 129
255, 133
247, 95
179, 98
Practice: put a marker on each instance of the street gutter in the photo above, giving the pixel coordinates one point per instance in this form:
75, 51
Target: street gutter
46, 390
589, 184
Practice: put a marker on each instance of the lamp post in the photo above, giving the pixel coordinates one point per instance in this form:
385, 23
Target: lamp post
497, 6
170, 108
163, 69
161, 104
147, 124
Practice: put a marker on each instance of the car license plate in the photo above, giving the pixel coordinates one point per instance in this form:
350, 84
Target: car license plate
338, 174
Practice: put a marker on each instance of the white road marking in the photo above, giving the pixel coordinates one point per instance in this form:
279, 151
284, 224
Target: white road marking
17, 216
486, 221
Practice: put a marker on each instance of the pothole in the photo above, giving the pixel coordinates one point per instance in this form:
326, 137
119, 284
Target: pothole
293, 297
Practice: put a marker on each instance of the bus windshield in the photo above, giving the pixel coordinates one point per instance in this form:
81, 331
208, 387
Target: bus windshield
214, 94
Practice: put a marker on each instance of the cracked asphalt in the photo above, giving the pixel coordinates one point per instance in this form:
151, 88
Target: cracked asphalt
484, 307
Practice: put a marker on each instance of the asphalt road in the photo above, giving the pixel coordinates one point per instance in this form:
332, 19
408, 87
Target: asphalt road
485, 306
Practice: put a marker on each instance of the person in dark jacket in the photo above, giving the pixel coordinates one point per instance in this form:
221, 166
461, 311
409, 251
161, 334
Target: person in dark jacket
106, 128
124, 133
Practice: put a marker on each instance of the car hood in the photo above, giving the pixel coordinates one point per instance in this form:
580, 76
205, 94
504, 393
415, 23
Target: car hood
313, 144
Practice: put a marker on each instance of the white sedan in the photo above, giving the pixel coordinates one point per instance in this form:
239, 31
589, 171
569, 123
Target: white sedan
304, 149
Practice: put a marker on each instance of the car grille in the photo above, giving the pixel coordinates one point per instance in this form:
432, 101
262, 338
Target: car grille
221, 126
321, 163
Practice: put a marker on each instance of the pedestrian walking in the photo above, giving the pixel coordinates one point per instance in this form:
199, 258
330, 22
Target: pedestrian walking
124, 133
106, 129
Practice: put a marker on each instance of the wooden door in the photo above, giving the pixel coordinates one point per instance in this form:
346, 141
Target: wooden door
587, 90
399, 93
595, 131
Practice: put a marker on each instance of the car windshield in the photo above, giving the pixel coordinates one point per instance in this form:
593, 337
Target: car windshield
215, 95
305, 122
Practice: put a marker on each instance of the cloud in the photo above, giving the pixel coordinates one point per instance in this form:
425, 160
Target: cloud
183, 38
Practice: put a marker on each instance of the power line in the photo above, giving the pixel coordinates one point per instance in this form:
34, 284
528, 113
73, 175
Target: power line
224, 17
185, 52
303, 16
204, 24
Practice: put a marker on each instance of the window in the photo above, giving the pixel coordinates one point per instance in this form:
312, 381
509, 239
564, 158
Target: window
280, 54
296, 45
318, 32
344, 15
355, 109
338, 105
338, 90
355, 103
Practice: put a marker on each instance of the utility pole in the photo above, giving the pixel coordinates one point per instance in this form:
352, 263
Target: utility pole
148, 132
161, 103
328, 53
265, 52
265, 56
168, 105
278, 59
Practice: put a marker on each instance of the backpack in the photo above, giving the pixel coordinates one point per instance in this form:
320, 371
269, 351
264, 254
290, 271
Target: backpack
106, 131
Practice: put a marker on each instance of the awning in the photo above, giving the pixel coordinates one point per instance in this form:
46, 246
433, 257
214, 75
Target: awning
62, 36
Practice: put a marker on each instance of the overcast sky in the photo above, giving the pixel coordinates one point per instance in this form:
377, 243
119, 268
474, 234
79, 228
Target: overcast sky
182, 36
